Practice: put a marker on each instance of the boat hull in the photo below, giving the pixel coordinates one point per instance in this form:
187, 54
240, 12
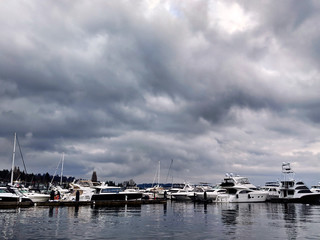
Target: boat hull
307, 199
180, 197
116, 196
243, 198
15, 202
37, 199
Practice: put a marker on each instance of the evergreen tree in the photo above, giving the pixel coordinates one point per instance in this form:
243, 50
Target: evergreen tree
94, 177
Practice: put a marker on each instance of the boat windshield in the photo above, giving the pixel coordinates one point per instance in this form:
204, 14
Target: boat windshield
243, 181
110, 190
4, 190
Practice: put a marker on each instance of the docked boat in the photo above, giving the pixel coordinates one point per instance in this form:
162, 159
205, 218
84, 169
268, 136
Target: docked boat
183, 194
10, 196
35, 196
294, 191
83, 188
113, 193
175, 187
240, 190
199, 191
156, 192
273, 189
242, 195
209, 194
315, 188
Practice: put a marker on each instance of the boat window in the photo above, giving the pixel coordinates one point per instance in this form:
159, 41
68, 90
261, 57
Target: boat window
300, 183
3, 191
302, 187
232, 191
287, 184
244, 191
227, 183
243, 181
304, 191
110, 190
290, 192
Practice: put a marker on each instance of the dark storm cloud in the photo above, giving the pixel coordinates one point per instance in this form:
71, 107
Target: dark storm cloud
119, 86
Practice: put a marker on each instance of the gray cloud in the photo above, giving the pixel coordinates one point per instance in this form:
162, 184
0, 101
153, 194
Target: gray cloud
119, 86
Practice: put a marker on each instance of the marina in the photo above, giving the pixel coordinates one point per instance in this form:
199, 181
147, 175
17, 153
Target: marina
232, 189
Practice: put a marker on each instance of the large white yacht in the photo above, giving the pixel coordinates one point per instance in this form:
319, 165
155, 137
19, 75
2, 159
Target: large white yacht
294, 191
239, 189
107, 193
242, 195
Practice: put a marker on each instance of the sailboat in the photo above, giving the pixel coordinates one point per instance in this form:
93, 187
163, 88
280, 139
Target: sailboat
35, 196
58, 189
156, 191
9, 195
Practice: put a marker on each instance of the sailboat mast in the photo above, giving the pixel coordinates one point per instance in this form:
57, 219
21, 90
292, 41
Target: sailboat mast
13, 156
62, 169
159, 175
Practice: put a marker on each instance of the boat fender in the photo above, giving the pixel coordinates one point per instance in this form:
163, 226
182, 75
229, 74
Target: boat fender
249, 196
237, 196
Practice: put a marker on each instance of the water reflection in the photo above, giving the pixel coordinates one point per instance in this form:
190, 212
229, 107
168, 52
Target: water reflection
50, 212
171, 221
229, 214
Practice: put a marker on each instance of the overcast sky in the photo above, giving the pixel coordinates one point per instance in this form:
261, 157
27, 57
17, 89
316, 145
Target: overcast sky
215, 86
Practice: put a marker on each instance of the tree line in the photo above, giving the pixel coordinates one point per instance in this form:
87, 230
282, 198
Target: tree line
31, 178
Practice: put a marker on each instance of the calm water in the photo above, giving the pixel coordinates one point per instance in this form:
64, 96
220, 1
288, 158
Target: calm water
172, 221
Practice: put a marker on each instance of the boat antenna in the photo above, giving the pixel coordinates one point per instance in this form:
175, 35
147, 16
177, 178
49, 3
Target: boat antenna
13, 156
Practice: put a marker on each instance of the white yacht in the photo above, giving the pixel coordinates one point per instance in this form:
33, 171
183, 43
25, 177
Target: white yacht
183, 194
272, 188
111, 193
85, 189
10, 196
239, 189
315, 188
209, 194
35, 196
242, 195
294, 191
175, 187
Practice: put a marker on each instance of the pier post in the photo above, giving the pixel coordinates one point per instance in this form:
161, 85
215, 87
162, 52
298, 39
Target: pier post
77, 196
